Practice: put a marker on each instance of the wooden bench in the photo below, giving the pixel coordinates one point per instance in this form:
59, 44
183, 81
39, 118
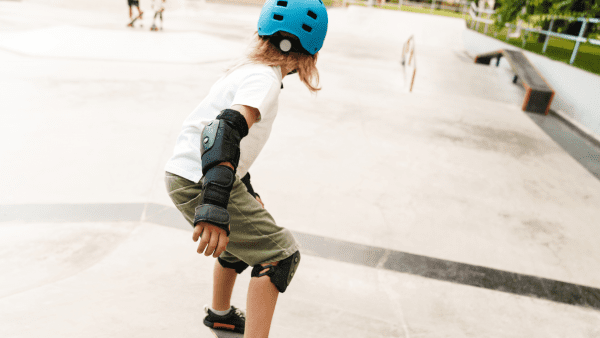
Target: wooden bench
538, 94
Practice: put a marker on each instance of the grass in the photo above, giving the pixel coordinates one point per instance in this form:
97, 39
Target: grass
423, 10
588, 56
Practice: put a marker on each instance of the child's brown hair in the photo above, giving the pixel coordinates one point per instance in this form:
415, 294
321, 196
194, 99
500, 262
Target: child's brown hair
262, 51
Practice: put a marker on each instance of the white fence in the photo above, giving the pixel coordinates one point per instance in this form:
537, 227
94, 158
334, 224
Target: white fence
476, 16
578, 39
460, 6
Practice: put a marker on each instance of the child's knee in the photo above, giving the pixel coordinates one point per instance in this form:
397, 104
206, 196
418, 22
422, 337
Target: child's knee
281, 273
239, 266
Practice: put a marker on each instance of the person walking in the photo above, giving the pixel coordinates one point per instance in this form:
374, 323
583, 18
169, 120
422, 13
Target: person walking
207, 177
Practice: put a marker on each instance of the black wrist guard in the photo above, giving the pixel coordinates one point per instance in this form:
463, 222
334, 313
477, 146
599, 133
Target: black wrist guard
217, 186
216, 189
214, 215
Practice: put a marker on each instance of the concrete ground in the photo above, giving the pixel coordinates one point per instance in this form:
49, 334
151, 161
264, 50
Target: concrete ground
445, 212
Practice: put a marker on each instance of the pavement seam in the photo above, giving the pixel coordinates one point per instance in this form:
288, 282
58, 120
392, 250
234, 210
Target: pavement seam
333, 249
383, 259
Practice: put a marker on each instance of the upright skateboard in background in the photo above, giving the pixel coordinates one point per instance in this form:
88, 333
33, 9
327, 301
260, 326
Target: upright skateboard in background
158, 7
226, 334
134, 20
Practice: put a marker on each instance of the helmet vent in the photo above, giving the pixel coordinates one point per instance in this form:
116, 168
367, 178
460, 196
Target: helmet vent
312, 14
278, 17
282, 3
306, 27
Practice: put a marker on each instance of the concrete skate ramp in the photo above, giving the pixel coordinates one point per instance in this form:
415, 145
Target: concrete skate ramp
111, 45
138, 279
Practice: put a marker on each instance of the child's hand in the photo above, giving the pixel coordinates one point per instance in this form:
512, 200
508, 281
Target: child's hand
214, 239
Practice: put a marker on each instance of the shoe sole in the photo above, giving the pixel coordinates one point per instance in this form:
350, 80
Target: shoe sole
224, 327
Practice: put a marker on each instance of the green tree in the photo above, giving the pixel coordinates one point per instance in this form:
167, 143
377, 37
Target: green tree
532, 11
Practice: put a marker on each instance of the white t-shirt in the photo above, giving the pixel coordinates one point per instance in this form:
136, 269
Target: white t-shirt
251, 85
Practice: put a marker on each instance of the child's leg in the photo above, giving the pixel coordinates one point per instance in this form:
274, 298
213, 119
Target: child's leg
130, 13
271, 250
260, 306
255, 239
223, 282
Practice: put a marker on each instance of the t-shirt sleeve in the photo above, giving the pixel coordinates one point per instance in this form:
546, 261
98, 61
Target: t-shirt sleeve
258, 90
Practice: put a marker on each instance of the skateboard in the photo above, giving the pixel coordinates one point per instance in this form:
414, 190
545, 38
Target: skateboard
226, 334
134, 20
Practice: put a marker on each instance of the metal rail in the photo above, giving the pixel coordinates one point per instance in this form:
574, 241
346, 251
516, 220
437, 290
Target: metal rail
409, 62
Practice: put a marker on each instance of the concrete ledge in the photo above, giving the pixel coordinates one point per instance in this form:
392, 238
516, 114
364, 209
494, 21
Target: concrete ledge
576, 90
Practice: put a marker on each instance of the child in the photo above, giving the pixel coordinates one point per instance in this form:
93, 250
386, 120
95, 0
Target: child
159, 7
207, 177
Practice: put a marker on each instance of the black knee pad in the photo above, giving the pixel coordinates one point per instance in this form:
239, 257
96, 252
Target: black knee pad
239, 267
281, 274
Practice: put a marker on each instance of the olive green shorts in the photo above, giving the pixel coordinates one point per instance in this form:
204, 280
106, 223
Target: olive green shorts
254, 239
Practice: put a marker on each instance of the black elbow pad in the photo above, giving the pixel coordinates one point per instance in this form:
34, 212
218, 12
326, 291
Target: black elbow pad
221, 139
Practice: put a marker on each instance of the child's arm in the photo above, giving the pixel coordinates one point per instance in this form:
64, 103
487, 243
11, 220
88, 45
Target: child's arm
215, 239
250, 113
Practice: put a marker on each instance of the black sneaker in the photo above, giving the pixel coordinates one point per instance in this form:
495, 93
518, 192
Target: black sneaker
234, 321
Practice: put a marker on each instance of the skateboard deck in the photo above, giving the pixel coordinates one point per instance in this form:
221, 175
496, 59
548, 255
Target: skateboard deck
226, 334
134, 20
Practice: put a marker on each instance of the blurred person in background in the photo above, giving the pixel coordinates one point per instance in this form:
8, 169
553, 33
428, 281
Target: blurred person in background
134, 3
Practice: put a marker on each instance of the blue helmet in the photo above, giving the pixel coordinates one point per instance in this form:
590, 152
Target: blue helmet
305, 19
